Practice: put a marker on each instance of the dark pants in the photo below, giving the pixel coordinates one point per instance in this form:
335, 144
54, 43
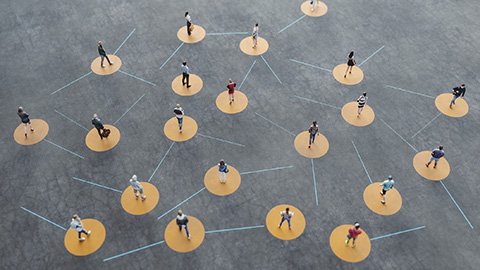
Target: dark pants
283, 219
100, 131
180, 123
186, 77
105, 56
186, 229
189, 24
80, 233
311, 139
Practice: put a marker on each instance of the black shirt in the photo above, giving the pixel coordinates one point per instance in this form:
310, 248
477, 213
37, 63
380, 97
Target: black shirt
101, 51
459, 91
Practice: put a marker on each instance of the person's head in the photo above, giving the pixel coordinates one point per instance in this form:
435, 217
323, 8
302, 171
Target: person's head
314, 123
462, 85
357, 225
186, 13
184, 63
256, 24
177, 106
180, 212
75, 216
440, 147
350, 55
390, 177
222, 162
287, 209
230, 81
20, 109
100, 43
95, 115
364, 94
134, 177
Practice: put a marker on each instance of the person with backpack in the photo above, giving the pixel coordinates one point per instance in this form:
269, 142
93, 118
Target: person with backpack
286, 216
313, 130
182, 222
386, 186
25, 117
179, 113
222, 171
361, 102
231, 90
137, 188
98, 124
103, 54
77, 225
353, 233
457, 92
350, 64
437, 153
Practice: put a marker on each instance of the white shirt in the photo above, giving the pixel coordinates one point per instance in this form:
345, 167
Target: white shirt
188, 18
181, 110
255, 31
136, 184
77, 225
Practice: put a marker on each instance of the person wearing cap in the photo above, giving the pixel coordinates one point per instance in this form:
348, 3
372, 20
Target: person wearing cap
313, 131
361, 102
286, 215
457, 92
222, 171
255, 35
182, 222
386, 186
137, 188
179, 113
103, 54
353, 233
98, 124
231, 90
185, 75
25, 117
77, 225
437, 153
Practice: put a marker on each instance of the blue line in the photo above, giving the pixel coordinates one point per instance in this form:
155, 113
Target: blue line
297, 20
172, 55
438, 115
128, 109
275, 124
310, 65
414, 149
68, 118
221, 140
267, 170
314, 182
236, 229
73, 153
271, 69
400, 232
184, 201
98, 185
456, 204
364, 61
124, 41
408, 91
45, 219
321, 103
72, 82
138, 78
245, 78
161, 161
363, 165
227, 33
132, 251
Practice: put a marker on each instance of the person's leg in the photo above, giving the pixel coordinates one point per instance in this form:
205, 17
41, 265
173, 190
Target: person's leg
223, 177
25, 129
188, 28
384, 196
281, 222
100, 133
430, 161
311, 139
346, 71
183, 78
353, 243
143, 196
188, 80
186, 230
180, 123
230, 98
30, 124
452, 102
254, 42
360, 109
348, 240
289, 224
108, 59
101, 62
136, 194
435, 164
351, 67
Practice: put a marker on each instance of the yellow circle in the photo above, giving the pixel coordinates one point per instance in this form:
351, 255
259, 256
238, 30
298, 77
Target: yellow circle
273, 219
373, 198
239, 104
95, 143
459, 109
40, 131
213, 184
354, 78
318, 149
441, 172
108, 69
319, 10
92, 242
348, 253
178, 241
189, 129
182, 90
350, 114
246, 46
198, 34
137, 206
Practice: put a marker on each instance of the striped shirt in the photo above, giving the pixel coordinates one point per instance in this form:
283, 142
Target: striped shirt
255, 32
362, 100
178, 112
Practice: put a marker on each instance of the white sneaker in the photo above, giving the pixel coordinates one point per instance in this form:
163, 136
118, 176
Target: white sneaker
89, 232
81, 239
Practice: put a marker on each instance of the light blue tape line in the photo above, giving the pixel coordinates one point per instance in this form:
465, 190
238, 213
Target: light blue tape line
456, 204
310, 65
135, 103
314, 182
45, 219
75, 122
95, 184
138, 78
364, 61
245, 78
294, 22
221, 140
125, 40
168, 59
161, 161
72, 82
73, 153
275, 124
274, 74
236, 229
361, 161
397, 233
184, 201
267, 170
133, 251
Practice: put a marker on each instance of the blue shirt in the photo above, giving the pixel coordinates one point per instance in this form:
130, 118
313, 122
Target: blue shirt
185, 69
388, 184
223, 168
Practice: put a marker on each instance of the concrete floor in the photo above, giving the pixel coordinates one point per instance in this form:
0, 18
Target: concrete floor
429, 47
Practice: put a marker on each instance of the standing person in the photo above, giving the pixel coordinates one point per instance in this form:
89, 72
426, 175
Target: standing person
386, 186
222, 171
457, 92
182, 221
98, 124
103, 54
361, 101
313, 130
437, 153
313, 4
231, 90
77, 225
185, 75
179, 113
189, 23
350, 63
286, 215
255, 35
25, 117
353, 233
137, 188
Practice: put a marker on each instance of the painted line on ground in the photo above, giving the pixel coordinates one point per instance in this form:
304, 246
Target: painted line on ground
310, 65
408, 91
135, 103
161, 161
403, 139
268, 170
416, 133
227, 33
361, 161
70, 83
168, 59
125, 40
44, 218
220, 140
95, 184
275, 124
397, 233
63, 148
133, 251
245, 78
184, 201
138, 78
294, 22
236, 229
271, 69
321, 103
456, 204
368, 58
314, 181
71, 120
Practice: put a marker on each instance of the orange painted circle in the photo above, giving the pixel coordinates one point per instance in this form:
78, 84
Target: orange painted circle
182, 90
246, 46
189, 129
138, 206
319, 10
92, 243
373, 198
198, 34
239, 104
40, 128
348, 253
178, 241
93, 141
354, 78
349, 114
441, 172
460, 109
318, 149
108, 69
213, 184
298, 222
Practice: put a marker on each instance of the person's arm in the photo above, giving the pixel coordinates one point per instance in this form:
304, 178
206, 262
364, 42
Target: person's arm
463, 92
